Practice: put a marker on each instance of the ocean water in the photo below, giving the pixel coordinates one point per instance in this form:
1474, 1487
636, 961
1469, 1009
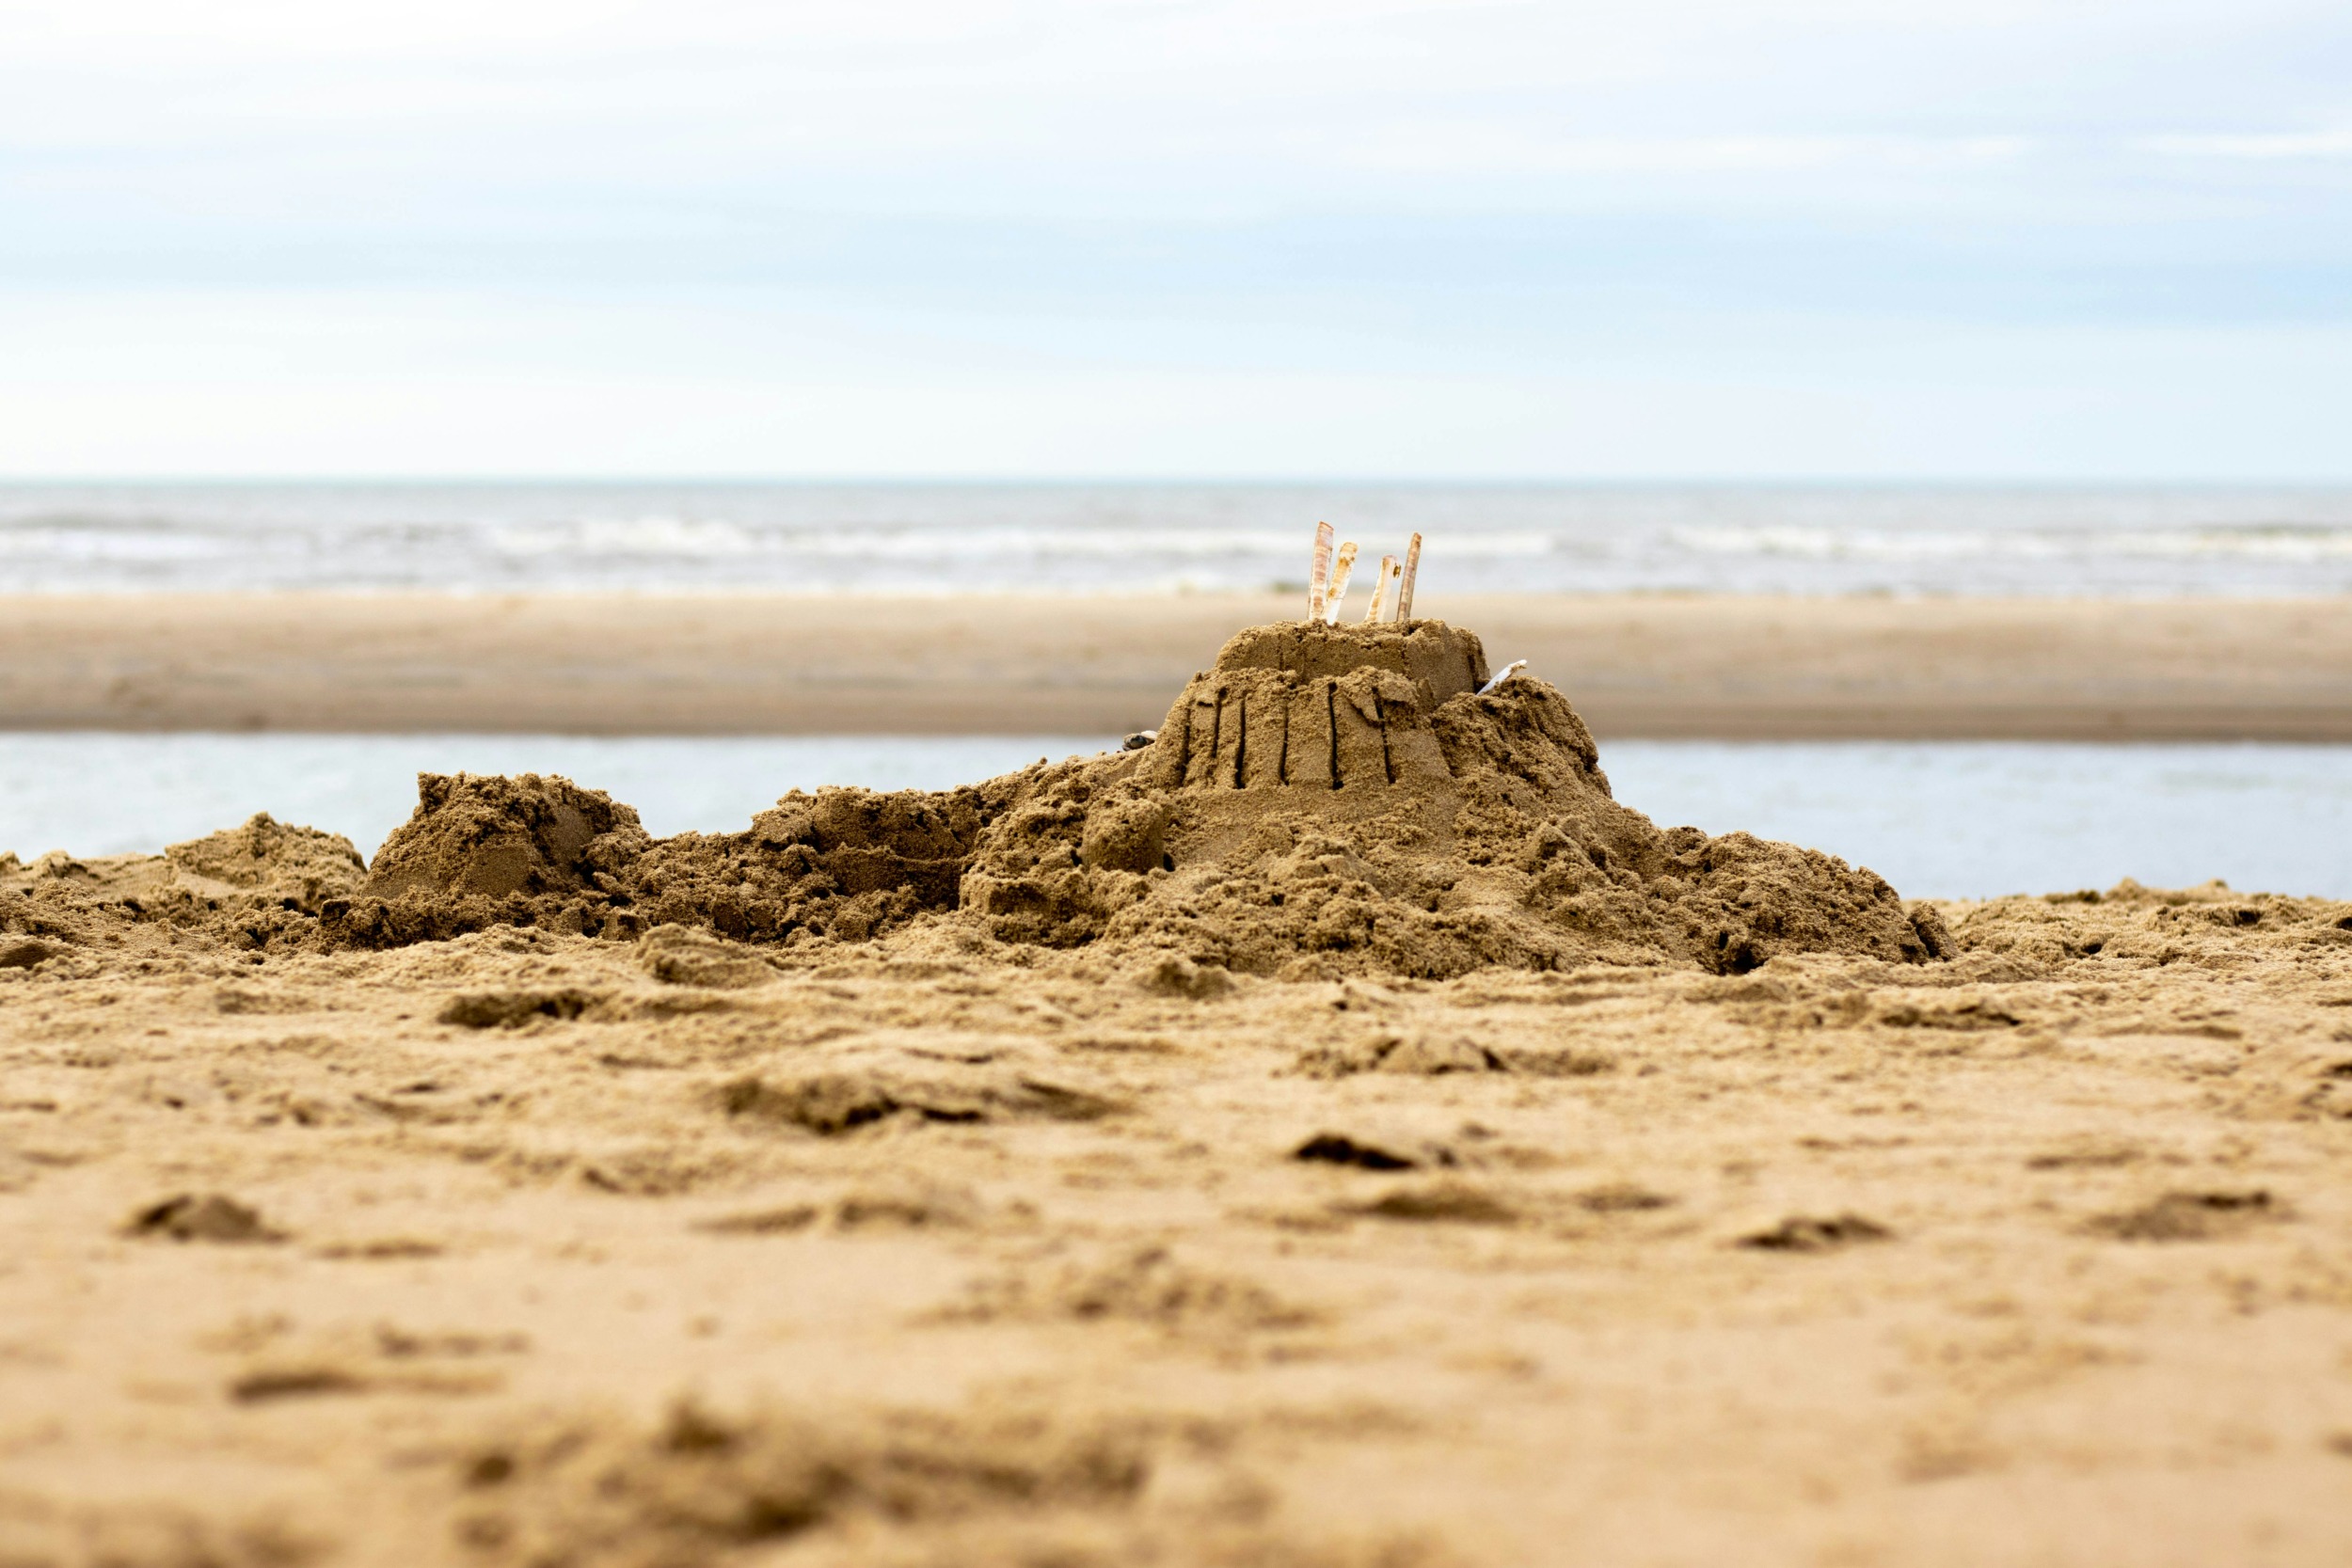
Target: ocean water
1946, 819
1127, 538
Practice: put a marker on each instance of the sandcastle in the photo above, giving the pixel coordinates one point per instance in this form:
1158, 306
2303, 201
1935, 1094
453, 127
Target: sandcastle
1331, 797
1325, 798
1328, 798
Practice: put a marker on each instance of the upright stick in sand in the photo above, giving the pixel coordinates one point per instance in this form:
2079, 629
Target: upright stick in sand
1321, 577
1380, 589
1337, 588
1405, 585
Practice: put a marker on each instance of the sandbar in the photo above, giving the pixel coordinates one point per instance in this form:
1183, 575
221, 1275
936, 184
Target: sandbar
1736, 668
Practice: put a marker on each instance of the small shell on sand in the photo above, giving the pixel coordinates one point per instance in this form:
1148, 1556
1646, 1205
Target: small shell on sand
1336, 589
1508, 671
1405, 585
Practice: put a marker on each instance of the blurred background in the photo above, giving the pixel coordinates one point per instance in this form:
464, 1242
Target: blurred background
1983, 305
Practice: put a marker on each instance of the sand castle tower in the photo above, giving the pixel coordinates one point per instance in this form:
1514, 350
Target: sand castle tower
1311, 706
1319, 719
1384, 736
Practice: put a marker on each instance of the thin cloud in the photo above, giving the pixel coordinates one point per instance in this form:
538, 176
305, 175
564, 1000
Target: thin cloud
1504, 149
2262, 147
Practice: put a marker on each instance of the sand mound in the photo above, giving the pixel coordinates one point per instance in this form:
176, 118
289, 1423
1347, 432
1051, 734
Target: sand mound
840, 864
483, 851
1330, 799
269, 863
1323, 801
260, 885
503, 838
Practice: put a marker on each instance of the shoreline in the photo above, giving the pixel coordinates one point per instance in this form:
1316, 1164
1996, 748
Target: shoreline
1700, 667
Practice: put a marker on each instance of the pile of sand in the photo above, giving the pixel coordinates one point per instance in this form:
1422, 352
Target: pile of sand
1324, 801
1342, 798
262, 885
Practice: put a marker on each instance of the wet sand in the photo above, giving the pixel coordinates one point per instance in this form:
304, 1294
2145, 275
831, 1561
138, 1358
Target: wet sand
1727, 668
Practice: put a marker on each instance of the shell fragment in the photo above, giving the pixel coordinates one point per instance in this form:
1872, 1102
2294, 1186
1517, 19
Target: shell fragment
1337, 588
1508, 671
1380, 587
1321, 577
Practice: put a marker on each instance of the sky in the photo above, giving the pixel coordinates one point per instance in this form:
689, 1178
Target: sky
1679, 238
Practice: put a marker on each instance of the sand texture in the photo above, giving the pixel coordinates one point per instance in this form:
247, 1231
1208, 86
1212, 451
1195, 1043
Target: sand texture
1736, 668
1337, 1133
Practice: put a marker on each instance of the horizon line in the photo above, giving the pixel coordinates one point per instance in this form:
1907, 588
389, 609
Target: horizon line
1047, 481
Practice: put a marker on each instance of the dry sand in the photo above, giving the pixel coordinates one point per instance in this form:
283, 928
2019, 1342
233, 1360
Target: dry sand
1739, 668
1167, 1158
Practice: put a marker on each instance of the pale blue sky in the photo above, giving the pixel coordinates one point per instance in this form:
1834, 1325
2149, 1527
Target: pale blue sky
1684, 239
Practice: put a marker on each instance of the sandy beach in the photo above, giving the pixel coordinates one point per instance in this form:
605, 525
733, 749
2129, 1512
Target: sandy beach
1175, 786
2036, 1257
1640, 666
1339, 1132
